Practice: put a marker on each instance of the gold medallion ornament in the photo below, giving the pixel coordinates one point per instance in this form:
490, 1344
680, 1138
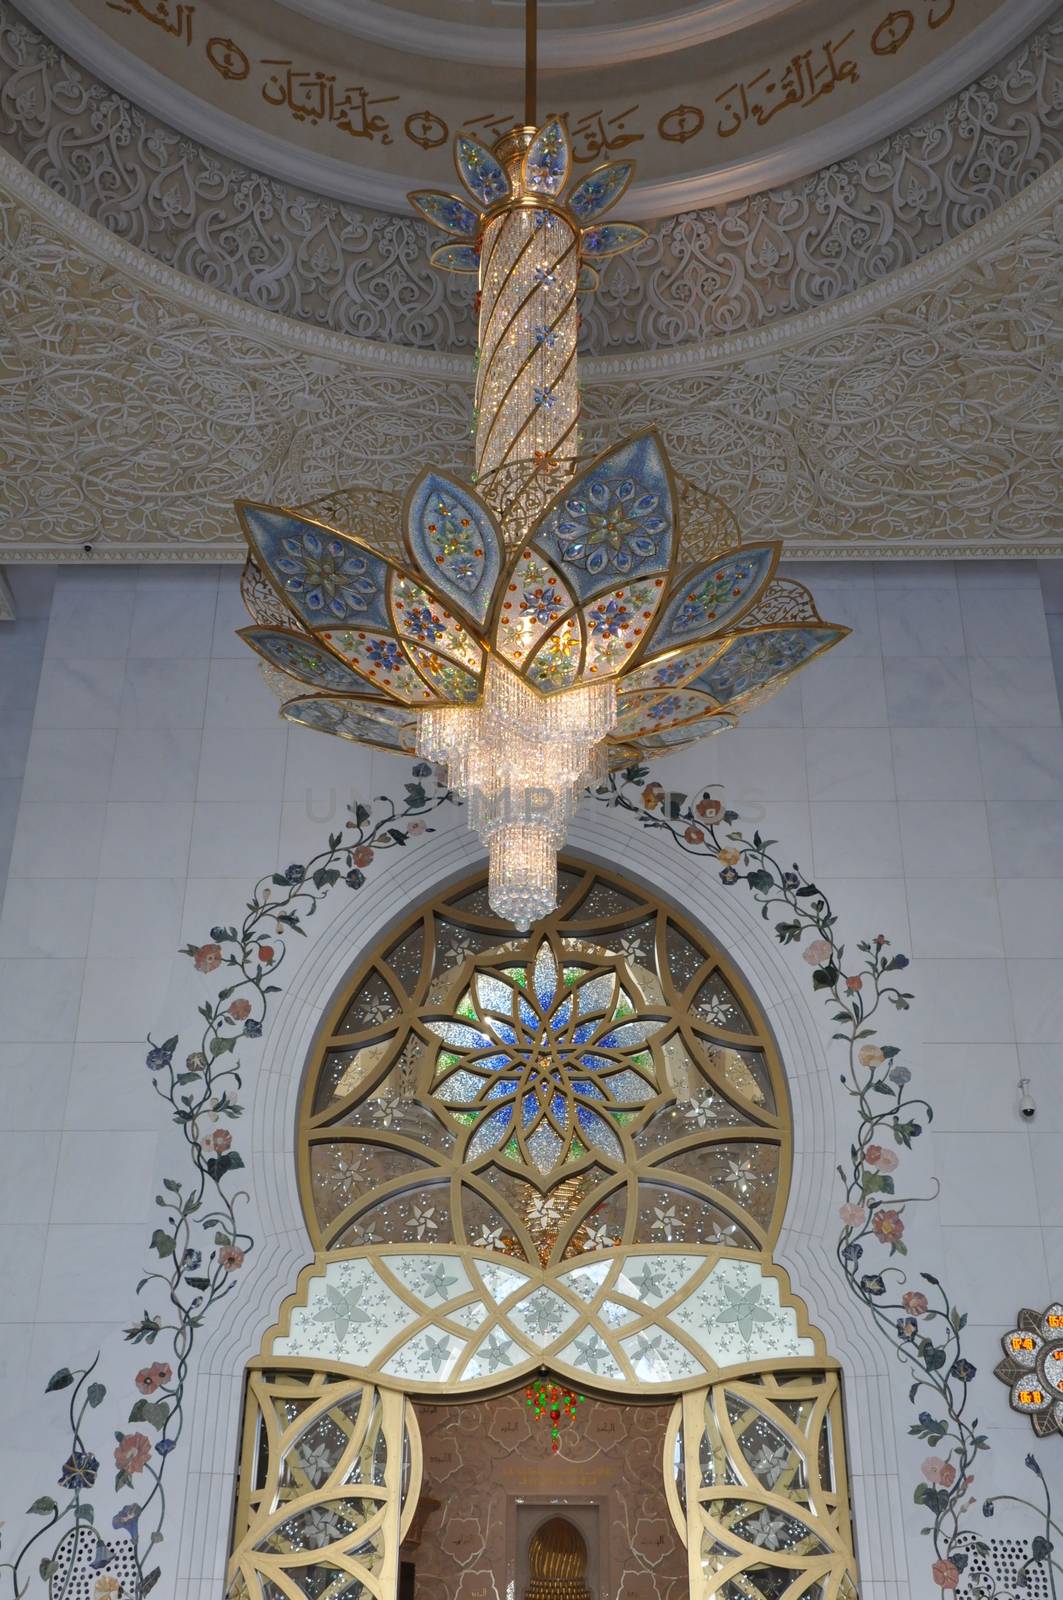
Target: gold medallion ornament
1032, 1368
557, 617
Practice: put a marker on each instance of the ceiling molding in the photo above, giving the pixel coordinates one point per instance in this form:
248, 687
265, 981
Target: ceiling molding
700, 275
563, 48
909, 420
985, 45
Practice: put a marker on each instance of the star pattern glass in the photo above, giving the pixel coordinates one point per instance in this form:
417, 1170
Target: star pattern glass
541, 1060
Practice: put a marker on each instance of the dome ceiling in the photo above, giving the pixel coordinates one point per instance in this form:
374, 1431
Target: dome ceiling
359, 99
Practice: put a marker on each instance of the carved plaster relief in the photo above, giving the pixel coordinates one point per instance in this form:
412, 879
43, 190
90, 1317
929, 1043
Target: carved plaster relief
910, 419
721, 270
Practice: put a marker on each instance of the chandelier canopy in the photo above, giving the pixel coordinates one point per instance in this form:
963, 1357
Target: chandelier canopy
563, 617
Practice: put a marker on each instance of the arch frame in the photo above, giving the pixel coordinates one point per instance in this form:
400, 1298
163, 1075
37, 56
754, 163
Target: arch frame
804, 1248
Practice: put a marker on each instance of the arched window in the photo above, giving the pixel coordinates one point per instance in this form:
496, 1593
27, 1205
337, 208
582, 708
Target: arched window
567, 1150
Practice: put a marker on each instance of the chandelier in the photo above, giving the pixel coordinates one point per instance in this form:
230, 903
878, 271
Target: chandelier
566, 616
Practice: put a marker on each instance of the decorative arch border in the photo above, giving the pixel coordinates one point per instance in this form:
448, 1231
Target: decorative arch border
803, 1250
929, 1339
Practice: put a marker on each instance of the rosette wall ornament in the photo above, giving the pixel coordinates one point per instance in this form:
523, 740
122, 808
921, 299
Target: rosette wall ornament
564, 616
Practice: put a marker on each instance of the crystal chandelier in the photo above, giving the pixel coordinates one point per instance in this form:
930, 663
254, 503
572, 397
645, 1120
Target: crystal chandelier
566, 616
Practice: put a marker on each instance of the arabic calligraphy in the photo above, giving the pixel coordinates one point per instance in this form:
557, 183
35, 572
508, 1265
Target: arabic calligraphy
801, 83
313, 96
157, 12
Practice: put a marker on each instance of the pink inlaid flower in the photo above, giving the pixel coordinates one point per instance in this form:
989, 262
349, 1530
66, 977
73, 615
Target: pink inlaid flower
266, 953
362, 855
230, 1257
220, 1140
730, 858
888, 1226
945, 1573
854, 984
131, 1453
937, 1471
652, 796
870, 1056
207, 958
916, 1302
851, 1215
149, 1379
416, 829
694, 835
877, 1156
817, 952
240, 1010
708, 809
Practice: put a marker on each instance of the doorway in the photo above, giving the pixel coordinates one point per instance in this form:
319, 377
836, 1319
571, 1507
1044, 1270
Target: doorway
492, 1483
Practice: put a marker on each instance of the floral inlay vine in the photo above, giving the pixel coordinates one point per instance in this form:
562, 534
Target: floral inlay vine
195, 1273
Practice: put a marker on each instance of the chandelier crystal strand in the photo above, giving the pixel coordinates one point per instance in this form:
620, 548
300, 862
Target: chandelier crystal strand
520, 758
527, 388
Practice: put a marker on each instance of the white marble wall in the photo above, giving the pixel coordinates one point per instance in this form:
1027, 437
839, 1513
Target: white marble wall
917, 771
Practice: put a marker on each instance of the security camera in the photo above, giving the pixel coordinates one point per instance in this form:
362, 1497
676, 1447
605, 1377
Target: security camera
1027, 1104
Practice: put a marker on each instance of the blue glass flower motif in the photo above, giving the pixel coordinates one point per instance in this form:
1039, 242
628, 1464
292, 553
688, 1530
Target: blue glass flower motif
611, 238
331, 578
547, 160
544, 1062
599, 190
456, 257
446, 211
479, 171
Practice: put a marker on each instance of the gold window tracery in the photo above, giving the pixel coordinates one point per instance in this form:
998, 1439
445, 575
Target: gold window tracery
567, 1149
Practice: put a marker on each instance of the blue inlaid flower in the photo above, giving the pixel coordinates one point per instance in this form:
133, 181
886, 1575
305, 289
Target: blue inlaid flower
327, 574
963, 1370
385, 654
609, 618
79, 1470
544, 396
164, 1446
665, 709
252, 1029
541, 605
871, 1283
543, 1061
611, 524
482, 175
421, 624
127, 1520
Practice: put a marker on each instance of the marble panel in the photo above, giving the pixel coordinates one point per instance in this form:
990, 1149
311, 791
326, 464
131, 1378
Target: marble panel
91, 612
856, 839
146, 840
954, 917
986, 1181
999, 621
173, 613
92, 1187
1037, 995
164, 692
155, 764
928, 692
1026, 838
920, 622
39, 999
936, 763
844, 692
69, 761
1014, 691
242, 764
46, 916
79, 693
945, 838
136, 917
1021, 763
849, 764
